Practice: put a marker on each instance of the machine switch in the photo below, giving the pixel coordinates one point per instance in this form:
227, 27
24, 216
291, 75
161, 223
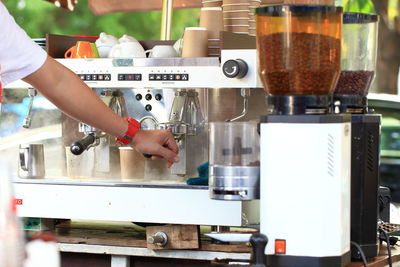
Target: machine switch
235, 68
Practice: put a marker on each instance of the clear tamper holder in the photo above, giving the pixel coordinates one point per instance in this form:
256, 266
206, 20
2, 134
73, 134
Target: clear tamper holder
234, 161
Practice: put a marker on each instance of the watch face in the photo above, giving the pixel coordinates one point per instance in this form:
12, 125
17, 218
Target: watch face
148, 123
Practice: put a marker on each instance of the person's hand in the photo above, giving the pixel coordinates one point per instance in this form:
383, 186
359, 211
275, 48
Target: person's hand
158, 143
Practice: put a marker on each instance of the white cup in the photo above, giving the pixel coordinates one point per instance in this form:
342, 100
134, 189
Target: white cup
104, 44
127, 39
127, 49
162, 51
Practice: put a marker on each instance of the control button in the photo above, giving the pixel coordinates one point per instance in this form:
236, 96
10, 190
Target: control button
138, 97
138, 77
130, 77
158, 77
185, 77
94, 77
235, 68
165, 77
171, 77
107, 77
280, 246
88, 77
148, 107
82, 76
178, 77
100, 77
148, 97
158, 97
152, 77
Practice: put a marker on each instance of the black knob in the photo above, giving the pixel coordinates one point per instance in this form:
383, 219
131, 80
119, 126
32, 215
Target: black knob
235, 68
148, 97
258, 242
139, 97
79, 146
148, 107
158, 97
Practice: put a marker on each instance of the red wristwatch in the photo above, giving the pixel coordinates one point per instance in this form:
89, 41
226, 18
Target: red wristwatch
133, 128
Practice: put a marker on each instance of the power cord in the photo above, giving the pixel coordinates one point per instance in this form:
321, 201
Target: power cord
388, 244
360, 252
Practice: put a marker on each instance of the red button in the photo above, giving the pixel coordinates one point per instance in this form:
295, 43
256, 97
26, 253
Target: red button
280, 246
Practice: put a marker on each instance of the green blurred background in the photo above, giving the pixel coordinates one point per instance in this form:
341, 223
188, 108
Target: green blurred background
38, 17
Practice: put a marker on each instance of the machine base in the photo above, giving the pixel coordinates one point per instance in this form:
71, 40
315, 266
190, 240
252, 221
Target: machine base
298, 261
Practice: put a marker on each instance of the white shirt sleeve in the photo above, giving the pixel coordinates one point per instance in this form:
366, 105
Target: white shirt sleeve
19, 54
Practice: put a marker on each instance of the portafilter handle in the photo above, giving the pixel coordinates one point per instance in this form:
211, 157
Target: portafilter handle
79, 146
259, 242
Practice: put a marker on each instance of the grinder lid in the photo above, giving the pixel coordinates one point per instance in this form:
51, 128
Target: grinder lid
359, 18
279, 10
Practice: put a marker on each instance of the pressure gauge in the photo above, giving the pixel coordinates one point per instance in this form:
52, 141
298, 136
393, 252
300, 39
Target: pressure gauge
148, 123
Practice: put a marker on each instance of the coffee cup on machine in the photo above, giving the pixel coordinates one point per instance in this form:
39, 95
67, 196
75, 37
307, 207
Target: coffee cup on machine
104, 44
195, 40
128, 50
162, 51
82, 49
31, 161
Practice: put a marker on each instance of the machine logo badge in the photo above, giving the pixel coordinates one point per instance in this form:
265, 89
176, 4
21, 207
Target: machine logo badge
18, 201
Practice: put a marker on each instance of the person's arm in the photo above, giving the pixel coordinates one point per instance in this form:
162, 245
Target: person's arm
66, 90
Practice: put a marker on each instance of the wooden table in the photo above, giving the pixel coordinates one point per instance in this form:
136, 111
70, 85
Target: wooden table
128, 239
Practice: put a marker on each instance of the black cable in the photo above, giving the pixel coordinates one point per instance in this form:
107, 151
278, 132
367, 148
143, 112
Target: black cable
361, 252
388, 245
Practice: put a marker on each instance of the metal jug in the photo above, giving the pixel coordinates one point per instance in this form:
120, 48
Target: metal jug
31, 161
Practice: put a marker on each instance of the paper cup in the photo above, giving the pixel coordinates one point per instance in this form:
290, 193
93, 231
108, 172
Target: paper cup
214, 42
132, 164
237, 29
235, 21
195, 40
211, 19
236, 7
80, 166
236, 15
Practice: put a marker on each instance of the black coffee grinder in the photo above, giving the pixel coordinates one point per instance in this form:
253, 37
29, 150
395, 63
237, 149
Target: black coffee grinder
359, 48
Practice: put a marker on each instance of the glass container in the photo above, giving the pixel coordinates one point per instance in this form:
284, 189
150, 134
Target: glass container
299, 48
359, 50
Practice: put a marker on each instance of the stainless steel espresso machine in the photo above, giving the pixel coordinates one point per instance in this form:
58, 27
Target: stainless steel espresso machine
180, 94
305, 148
359, 48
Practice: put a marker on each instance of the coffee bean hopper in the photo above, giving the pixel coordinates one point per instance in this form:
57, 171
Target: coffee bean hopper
305, 149
359, 49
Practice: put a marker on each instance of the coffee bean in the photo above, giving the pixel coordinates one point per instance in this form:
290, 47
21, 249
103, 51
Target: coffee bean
299, 63
354, 82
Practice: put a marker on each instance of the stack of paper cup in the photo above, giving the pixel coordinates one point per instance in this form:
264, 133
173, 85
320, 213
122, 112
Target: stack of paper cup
236, 16
211, 3
252, 18
211, 19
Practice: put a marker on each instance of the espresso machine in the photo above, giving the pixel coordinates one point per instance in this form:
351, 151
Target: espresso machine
359, 49
304, 147
183, 95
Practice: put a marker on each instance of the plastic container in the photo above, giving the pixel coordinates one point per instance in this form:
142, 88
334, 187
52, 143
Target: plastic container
299, 48
359, 50
234, 144
234, 169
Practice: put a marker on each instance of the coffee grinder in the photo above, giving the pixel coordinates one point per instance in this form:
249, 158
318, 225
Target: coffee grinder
359, 48
304, 148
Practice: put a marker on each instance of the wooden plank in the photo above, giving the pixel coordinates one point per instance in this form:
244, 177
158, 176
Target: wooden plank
179, 236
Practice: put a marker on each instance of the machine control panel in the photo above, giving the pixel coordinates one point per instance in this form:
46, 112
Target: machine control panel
129, 77
95, 77
169, 77
235, 68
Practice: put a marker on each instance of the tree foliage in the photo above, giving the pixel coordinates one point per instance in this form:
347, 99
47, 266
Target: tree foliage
38, 17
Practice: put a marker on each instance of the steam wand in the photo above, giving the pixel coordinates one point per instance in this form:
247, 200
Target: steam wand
27, 121
245, 93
